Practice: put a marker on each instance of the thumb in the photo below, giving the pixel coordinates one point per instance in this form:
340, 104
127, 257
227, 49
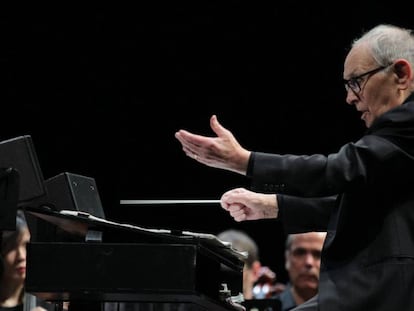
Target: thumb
217, 127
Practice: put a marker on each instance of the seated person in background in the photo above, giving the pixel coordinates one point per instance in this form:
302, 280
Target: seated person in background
302, 261
13, 252
253, 271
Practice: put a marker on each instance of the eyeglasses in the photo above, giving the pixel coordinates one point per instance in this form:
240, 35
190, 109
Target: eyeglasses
355, 83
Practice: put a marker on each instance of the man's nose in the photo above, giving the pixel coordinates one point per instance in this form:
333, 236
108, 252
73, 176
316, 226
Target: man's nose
351, 97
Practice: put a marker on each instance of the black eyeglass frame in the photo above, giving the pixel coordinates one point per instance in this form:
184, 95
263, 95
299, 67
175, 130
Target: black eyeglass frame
354, 84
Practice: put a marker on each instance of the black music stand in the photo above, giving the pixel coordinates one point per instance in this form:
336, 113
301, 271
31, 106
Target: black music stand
9, 193
19, 154
129, 264
262, 305
21, 180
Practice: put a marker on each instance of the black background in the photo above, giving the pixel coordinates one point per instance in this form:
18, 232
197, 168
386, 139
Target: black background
103, 89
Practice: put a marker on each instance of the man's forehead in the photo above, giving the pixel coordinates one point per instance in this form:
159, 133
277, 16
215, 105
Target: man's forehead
358, 59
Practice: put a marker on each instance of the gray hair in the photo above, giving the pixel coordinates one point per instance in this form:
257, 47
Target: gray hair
388, 43
291, 237
242, 242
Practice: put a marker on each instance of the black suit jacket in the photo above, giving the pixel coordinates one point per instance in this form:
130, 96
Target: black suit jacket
363, 196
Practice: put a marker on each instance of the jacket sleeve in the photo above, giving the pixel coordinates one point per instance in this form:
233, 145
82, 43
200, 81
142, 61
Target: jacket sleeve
352, 167
305, 214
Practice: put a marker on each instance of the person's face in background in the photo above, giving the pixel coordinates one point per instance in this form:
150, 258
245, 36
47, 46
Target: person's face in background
250, 276
303, 260
14, 258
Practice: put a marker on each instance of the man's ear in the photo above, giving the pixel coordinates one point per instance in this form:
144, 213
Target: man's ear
404, 72
287, 261
402, 68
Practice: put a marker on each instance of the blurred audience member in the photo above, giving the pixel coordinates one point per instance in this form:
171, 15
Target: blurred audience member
302, 261
13, 252
258, 280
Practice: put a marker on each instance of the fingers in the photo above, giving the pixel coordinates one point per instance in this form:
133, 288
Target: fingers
190, 138
189, 144
237, 195
237, 211
191, 153
192, 142
231, 202
186, 138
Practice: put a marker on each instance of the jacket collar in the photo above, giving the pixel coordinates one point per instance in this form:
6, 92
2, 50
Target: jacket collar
396, 117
